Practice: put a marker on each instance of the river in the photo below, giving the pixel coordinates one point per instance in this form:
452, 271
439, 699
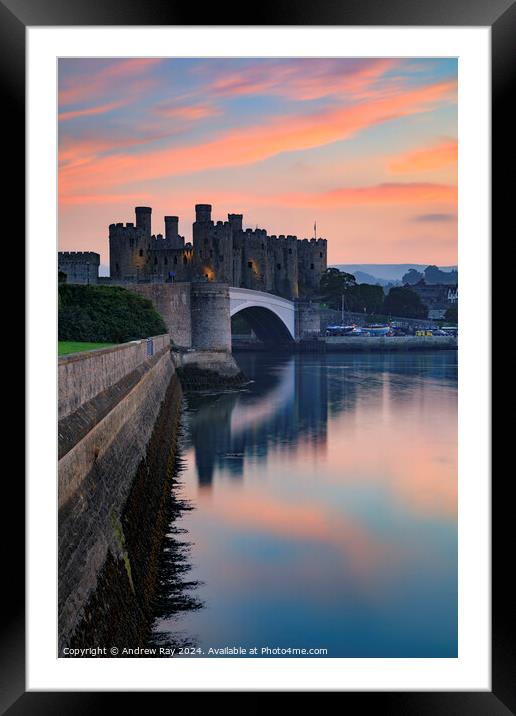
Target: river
324, 512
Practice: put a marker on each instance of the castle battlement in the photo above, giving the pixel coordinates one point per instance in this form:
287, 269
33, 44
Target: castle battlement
79, 266
79, 256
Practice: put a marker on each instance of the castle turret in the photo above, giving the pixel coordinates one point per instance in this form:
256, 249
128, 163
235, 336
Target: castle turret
171, 226
172, 238
235, 221
203, 213
143, 219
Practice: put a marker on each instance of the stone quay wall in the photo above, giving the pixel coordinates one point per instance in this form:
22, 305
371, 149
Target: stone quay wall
81, 376
109, 404
388, 344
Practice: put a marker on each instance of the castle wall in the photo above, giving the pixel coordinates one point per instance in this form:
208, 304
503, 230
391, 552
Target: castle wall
129, 251
137, 255
212, 247
172, 301
312, 262
79, 266
284, 266
255, 271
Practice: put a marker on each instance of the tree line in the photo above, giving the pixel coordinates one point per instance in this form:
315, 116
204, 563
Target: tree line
366, 298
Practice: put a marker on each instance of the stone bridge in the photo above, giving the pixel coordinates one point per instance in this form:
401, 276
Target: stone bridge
198, 315
272, 318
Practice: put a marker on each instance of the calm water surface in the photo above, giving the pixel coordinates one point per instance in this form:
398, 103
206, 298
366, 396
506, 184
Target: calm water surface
325, 499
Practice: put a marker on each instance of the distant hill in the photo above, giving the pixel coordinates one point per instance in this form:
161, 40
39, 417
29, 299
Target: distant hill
363, 277
384, 273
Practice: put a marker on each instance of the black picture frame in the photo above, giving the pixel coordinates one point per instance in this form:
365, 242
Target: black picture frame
500, 16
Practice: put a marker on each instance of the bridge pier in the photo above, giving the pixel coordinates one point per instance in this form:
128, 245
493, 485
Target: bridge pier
210, 316
308, 320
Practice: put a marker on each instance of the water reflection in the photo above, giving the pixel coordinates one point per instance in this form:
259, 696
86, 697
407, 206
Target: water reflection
325, 498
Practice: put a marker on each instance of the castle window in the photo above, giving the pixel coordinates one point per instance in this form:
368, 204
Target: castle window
165, 261
311, 266
263, 246
278, 266
249, 264
117, 267
155, 260
290, 251
185, 260
175, 259
141, 252
211, 254
320, 254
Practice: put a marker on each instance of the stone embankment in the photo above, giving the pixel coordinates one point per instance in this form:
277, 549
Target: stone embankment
119, 410
384, 344
347, 344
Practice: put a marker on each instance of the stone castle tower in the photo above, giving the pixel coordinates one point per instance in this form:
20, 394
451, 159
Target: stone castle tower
79, 266
221, 251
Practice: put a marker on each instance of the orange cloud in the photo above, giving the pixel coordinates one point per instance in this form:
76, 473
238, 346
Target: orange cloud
428, 159
100, 109
253, 144
135, 198
189, 113
76, 152
389, 194
410, 193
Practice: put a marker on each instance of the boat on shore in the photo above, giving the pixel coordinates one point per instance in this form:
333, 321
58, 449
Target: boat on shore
339, 330
377, 329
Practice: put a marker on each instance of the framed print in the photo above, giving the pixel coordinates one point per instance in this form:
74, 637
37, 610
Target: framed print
264, 460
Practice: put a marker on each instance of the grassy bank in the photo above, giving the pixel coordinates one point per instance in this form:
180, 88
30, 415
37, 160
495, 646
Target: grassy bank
66, 347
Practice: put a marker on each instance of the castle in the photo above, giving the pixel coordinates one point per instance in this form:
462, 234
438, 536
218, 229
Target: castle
221, 251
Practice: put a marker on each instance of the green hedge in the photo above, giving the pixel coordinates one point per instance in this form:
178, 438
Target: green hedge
106, 314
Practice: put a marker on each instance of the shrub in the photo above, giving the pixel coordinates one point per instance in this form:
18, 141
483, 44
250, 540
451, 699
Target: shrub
452, 314
402, 301
106, 314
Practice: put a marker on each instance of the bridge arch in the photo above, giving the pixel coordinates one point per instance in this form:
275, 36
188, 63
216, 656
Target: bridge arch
271, 317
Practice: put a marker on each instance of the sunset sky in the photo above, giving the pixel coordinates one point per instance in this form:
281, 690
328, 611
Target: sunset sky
366, 147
